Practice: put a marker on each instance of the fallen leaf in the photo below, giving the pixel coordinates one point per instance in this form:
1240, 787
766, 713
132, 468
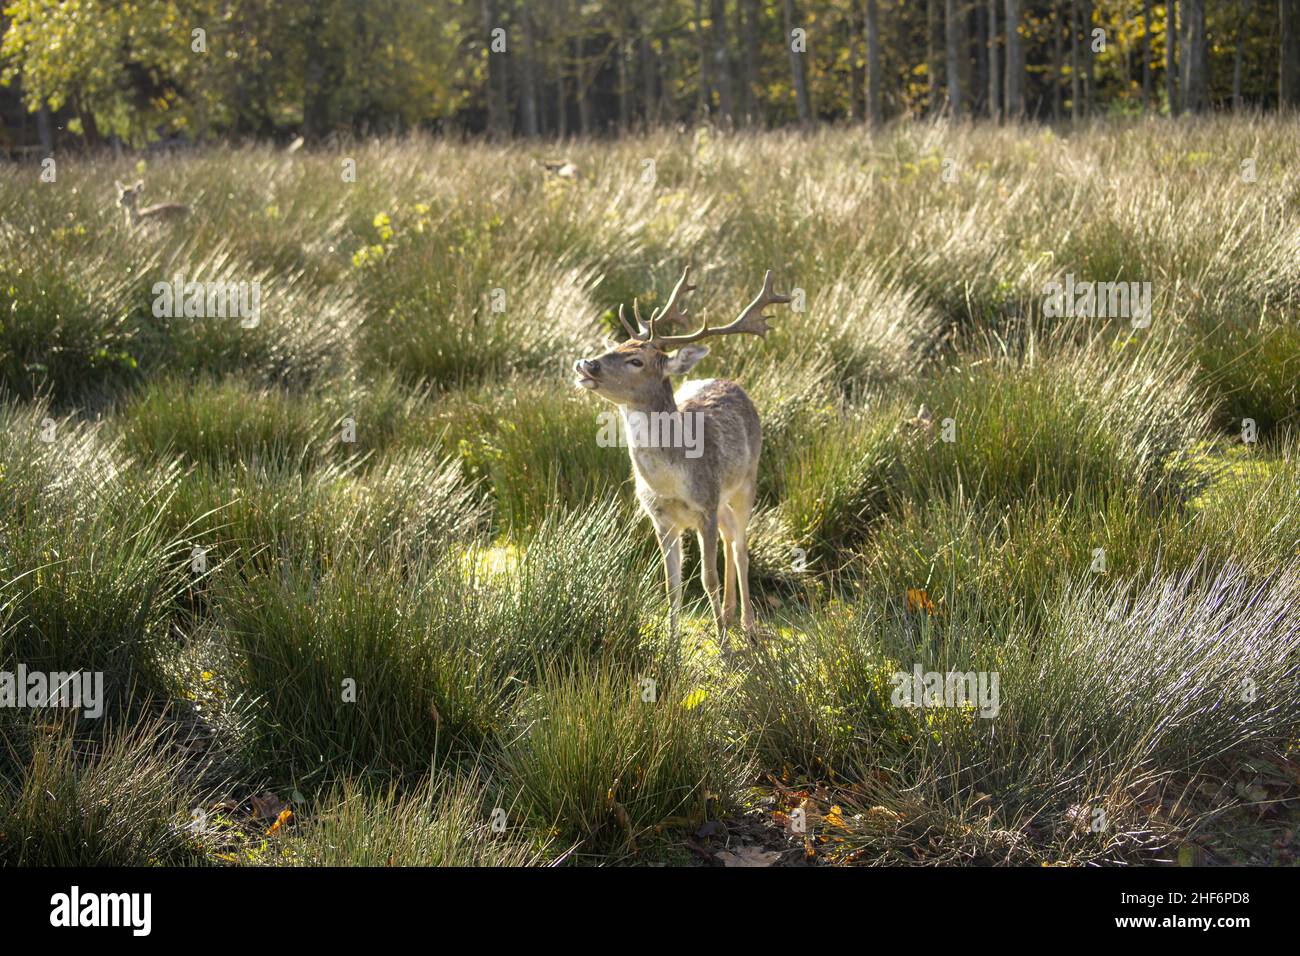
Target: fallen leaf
884, 815
267, 806
749, 856
713, 828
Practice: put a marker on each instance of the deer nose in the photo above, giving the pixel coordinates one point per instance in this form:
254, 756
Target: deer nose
590, 366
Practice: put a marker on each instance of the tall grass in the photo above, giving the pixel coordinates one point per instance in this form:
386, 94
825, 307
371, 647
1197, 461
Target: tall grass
442, 822
379, 662
604, 754
376, 545
121, 802
1122, 692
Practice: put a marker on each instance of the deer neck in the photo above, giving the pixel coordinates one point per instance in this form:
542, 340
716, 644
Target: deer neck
659, 398
657, 440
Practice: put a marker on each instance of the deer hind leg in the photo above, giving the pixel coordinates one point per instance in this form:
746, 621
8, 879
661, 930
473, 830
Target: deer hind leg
741, 506
708, 536
727, 528
670, 546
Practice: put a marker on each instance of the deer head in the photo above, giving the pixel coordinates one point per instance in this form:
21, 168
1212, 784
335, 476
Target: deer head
128, 196
635, 372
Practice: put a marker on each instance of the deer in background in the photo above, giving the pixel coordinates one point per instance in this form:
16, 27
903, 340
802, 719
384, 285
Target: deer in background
711, 492
128, 197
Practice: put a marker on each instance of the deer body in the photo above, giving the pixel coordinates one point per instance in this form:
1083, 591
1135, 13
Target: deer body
708, 486
128, 197
712, 495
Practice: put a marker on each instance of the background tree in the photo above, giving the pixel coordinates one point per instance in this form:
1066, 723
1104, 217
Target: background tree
797, 56
1289, 52
952, 39
90, 70
1015, 62
875, 71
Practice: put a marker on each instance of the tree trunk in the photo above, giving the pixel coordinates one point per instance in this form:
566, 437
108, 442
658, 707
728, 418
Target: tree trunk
561, 112
995, 85
744, 92
315, 105
1146, 54
1089, 71
44, 130
1015, 66
1195, 87
1236, 59
753, 113
1289, 59
1074, 60
624, 88
496, 109
1171, 63
528, 76
854, 37
648, 70
581, 83
706, 89
722, 59
796, 65
1058, 57
875, 96
933, 43
952, 37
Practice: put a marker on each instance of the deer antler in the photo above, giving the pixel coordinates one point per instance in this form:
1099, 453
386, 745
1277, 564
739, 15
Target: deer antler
751, 320
631, 332
670, 314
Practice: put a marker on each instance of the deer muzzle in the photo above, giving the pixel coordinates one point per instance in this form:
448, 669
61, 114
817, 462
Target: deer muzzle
587, 370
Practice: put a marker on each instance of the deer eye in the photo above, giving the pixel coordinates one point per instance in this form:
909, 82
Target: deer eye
635, 363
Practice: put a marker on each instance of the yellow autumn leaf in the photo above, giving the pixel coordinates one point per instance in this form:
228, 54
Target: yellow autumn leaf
918, 600
694, 699
284, 817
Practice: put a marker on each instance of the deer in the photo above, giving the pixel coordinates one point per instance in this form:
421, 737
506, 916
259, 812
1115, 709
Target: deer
712, 490
128, 197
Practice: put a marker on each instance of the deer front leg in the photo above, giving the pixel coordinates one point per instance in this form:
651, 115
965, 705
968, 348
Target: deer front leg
708, 536
670, 546
741, 508
727, 525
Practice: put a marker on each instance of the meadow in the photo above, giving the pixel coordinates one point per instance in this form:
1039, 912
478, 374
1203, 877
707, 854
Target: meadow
365, 589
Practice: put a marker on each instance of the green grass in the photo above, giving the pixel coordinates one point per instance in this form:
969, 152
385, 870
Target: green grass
605, 754
120, 802
371, 556
440, 822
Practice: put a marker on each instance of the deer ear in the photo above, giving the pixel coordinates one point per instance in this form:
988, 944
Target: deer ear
139, 184
685, 359
120, 188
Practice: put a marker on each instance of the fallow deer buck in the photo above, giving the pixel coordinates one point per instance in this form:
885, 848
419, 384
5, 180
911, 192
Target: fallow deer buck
128, 197
712, 491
